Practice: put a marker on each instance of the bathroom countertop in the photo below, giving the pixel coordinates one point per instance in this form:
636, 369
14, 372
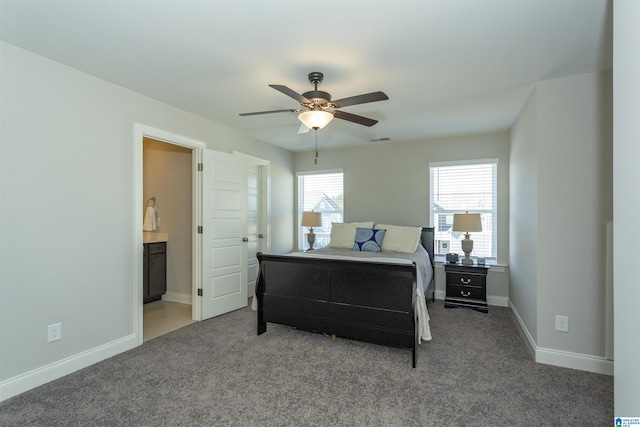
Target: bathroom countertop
151, 237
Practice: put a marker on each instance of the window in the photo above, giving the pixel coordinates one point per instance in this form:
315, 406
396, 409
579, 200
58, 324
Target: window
323, 192
456, 187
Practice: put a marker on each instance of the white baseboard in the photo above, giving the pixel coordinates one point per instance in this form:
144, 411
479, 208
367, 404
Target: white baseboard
497, 301
176, 297
531, 344
21, 383
564, 359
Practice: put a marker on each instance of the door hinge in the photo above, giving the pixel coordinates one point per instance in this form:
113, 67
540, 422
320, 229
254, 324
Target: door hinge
199, 292
199, 229
199, 167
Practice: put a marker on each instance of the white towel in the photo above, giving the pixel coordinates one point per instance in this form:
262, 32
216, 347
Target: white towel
149, 219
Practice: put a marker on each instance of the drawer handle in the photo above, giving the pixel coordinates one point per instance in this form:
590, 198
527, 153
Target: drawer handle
468, 294
465, 282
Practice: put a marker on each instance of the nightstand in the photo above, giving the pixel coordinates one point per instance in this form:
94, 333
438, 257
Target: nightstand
466, 286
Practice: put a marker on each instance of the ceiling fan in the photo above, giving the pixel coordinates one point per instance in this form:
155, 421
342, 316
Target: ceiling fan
318, 109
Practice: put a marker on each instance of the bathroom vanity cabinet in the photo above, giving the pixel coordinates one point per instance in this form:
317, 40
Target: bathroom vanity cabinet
154, 277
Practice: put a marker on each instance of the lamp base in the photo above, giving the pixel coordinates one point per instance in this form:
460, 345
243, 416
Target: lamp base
311, 238
467, 248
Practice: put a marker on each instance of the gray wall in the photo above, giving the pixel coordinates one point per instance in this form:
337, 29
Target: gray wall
575, 183
523, 224
67, 209
626, 204
561, 167
390, 184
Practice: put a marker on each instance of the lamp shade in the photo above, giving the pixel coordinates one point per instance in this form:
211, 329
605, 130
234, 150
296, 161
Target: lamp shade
311, 219
315, 119
467, 222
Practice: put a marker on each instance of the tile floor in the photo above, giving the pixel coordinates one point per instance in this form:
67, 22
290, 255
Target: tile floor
161, 317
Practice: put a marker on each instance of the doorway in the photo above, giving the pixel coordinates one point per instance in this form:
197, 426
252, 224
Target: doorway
166, 188
197, 148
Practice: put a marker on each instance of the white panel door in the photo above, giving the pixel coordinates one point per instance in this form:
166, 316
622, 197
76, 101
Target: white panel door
224, 217
254, 232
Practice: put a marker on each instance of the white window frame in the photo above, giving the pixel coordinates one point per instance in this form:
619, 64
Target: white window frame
327, 219
489, 214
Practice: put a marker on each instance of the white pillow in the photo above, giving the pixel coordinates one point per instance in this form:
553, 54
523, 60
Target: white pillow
399, 238
343, 234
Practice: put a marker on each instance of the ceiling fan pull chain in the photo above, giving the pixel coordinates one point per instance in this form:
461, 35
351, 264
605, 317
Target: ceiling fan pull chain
315, 161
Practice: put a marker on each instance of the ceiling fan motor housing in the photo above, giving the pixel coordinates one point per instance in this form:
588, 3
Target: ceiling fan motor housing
318, 97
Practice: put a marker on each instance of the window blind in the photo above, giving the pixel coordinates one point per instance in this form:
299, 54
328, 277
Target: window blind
320, 191
457, 187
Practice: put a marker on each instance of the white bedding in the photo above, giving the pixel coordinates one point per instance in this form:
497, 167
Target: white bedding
424, 276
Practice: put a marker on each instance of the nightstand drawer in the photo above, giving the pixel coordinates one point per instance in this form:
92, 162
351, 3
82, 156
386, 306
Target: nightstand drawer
463, 279
466, 292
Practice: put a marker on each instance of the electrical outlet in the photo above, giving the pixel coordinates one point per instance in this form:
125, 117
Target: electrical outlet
54, 332
562, 323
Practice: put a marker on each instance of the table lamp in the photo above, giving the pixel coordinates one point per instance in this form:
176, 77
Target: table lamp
467, 222
311, 219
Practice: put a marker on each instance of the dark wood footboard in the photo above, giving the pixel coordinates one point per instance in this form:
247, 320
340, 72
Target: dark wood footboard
352, 299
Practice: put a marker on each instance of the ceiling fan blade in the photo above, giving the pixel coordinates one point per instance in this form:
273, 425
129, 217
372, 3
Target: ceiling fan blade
302, 129
354, 118
268, 112
360, 99
290, 92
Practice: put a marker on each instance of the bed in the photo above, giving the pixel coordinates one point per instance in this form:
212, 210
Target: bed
373, 297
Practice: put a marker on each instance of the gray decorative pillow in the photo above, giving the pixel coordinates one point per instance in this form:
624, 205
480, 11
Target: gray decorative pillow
368, 239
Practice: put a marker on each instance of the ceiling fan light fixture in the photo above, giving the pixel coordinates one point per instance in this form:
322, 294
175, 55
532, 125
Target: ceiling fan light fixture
315, 119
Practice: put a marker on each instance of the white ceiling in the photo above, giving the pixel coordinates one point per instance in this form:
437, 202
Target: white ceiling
448, 66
